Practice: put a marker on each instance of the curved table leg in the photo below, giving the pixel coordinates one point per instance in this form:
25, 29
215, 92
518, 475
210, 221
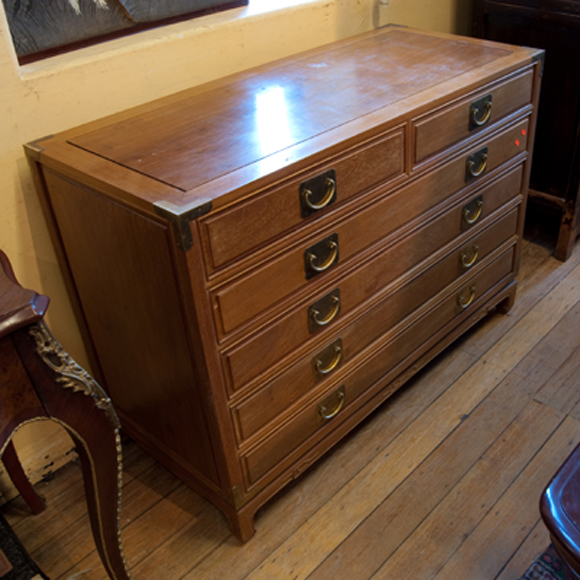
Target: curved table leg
73, 398
100, 458
18, 477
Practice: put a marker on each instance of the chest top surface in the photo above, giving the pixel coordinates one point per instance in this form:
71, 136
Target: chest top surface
232, 132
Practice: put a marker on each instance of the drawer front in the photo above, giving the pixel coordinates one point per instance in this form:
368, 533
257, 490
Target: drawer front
246, 226
287, 273
269, 347
309, 425
300, 378
442, 129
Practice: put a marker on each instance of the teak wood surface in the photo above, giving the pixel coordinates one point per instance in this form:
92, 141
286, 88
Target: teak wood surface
203, 145
451, 468
187, 242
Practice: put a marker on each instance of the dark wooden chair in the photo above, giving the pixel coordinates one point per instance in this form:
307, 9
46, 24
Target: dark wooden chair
560, 509
40, 381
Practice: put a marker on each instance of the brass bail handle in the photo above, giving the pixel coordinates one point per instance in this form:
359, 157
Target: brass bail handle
330, 189
330, 316
468, 259
328, 414
333, 363
482, 166
480, 121
470, 217
462, 302
313, 258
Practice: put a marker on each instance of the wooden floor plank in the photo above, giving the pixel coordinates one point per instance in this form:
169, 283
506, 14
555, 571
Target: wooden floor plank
383, 531
534, 545
172, 535
230, 556
533, 256
65, 501
139, 494
51, 490
300, 501
463, 508
185, 550
510, 520
563, 391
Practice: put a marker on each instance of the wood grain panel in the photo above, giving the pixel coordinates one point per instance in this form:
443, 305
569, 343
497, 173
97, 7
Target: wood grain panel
124, 275
21, 403
271, 452
298, 380
267, 216
268, 350
443, 128
237, 302
186, 144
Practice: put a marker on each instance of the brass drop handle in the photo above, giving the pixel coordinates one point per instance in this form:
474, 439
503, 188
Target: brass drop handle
313, 258
468, 259
480, 121
462, 302
330, 190
330, 316
327, 413
318, 364
476, 172
471, 217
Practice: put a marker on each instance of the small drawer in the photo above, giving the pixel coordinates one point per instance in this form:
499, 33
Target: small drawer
441, 129
266, 349
299, 378
250, 224
309, 425
237, 302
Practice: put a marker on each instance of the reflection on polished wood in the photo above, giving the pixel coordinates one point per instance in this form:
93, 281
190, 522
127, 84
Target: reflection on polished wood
198, 145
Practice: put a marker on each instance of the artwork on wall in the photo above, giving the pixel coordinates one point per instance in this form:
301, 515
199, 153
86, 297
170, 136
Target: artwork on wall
41, 27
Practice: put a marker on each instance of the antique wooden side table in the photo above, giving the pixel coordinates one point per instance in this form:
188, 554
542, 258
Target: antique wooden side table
40, 381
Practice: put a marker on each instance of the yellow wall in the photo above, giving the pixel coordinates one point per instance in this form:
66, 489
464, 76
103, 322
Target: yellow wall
442, 15
47, 97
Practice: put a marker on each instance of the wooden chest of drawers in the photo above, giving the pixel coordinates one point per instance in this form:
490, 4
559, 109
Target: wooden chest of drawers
258, 263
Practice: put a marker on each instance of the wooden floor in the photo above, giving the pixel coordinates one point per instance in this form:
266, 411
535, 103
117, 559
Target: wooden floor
442, 482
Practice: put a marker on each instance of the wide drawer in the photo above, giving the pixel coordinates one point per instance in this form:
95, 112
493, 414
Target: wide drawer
481, 110
268, 348
325, 412
239, 301
299, 378
248, 225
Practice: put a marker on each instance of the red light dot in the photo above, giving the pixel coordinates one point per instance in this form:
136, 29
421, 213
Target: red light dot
523, 132
518, 142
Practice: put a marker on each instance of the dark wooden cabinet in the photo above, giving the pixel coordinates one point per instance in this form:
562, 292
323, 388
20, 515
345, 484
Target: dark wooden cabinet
553, 25
258, 263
